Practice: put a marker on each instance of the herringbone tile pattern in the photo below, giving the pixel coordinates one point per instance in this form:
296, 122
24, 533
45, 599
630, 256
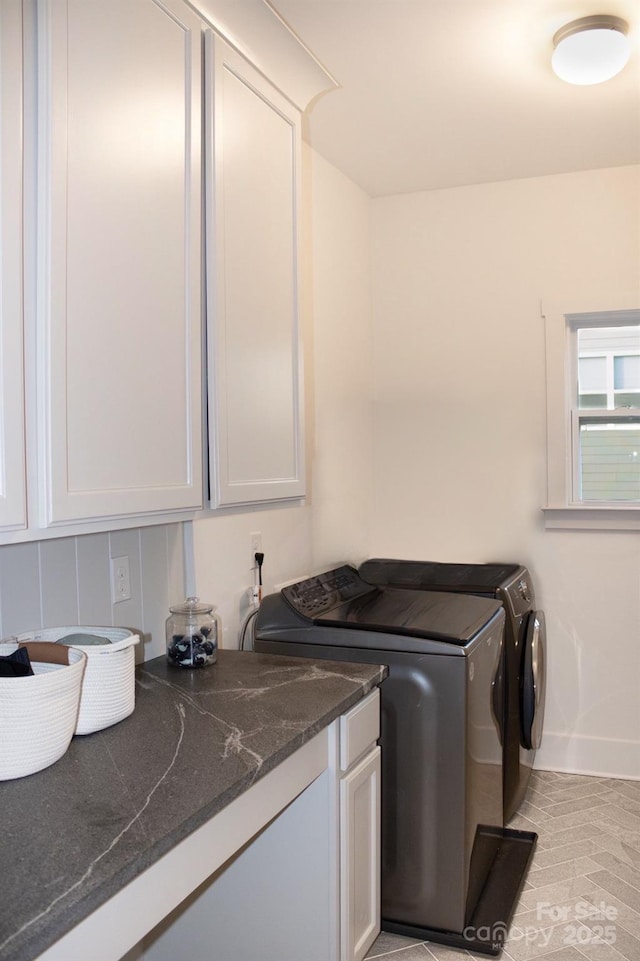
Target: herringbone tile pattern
581, 899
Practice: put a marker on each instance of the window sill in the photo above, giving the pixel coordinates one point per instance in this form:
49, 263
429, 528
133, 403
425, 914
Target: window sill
580, 518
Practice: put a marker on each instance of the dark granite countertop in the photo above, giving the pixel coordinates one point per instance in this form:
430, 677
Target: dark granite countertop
77, 832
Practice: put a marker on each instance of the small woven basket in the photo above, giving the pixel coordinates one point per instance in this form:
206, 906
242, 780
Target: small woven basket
108, 688
38, 714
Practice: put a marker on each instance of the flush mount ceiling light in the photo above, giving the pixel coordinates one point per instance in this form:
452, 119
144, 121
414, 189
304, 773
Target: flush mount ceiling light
590, 50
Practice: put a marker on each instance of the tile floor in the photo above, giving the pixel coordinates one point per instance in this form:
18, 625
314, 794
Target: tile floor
581, 899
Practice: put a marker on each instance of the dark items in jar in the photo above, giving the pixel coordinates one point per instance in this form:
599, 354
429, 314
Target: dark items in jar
191, 650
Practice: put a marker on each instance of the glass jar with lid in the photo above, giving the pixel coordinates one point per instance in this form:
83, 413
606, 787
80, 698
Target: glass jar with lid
193, 630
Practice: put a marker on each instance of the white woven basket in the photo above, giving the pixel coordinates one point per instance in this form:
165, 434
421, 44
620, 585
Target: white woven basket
108, 688
38, 714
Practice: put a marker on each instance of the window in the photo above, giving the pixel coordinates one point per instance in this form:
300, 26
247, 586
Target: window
593, 419
605, 409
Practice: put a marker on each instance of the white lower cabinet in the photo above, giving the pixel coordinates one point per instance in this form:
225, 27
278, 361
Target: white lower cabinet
360, 857
271, 902
360, 829
306, 886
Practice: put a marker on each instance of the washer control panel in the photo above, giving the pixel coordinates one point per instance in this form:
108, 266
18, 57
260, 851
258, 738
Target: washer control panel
519, 594
524, 590
322, 593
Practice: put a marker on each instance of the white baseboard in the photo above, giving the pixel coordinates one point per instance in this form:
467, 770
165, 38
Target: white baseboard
596, 756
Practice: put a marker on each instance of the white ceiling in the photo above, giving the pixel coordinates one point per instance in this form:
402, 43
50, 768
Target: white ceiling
440, 93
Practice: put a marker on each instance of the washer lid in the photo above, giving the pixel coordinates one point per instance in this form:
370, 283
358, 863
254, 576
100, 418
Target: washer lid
434, 575
340, 598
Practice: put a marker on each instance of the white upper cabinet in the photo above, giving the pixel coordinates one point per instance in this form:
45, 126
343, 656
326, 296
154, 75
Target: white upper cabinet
253, 144
104, 123
119, 258
12, 444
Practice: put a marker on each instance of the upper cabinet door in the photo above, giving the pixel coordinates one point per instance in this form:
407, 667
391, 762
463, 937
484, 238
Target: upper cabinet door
253, 187
119, 252
12, 444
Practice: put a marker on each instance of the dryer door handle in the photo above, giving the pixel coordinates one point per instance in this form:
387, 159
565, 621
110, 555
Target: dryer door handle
533, 681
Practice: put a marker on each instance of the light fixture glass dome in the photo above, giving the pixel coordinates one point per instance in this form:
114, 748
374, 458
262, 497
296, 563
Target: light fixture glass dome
591, 50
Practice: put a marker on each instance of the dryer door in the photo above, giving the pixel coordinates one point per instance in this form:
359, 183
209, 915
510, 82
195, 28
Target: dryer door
533, 680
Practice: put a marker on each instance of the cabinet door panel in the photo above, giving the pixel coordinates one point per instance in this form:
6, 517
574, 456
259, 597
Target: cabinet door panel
253, 159
12, 451
360, 857
120, 258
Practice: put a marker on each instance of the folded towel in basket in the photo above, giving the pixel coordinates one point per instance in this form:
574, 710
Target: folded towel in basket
17, 664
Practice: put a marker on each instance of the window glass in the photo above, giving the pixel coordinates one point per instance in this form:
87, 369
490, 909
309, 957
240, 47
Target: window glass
607, 449
626, 372
602, 339
609, 461
594, 401
623, 399
592, 374
608, 364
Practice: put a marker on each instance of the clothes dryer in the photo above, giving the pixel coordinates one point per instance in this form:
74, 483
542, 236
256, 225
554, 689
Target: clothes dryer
450, 871
524, 653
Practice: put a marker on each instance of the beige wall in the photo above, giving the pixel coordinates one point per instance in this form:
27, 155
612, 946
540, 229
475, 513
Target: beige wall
222, 553
459, 421
341, 437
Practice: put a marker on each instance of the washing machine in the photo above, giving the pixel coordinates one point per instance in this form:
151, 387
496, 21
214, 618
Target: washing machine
450, 870
524, 650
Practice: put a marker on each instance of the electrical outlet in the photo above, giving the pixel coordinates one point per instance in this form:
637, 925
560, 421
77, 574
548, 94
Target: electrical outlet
120, 580
256, 569
256, 546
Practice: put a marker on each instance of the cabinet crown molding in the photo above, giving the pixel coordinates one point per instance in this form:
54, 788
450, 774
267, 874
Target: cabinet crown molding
259, 33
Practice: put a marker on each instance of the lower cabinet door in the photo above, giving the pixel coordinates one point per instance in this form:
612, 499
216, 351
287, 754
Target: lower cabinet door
360, 857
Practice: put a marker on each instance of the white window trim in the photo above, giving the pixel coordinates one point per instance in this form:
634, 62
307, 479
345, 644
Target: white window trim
561, 512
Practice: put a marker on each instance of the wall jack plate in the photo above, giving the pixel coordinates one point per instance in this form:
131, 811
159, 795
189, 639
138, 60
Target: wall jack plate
120, 580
